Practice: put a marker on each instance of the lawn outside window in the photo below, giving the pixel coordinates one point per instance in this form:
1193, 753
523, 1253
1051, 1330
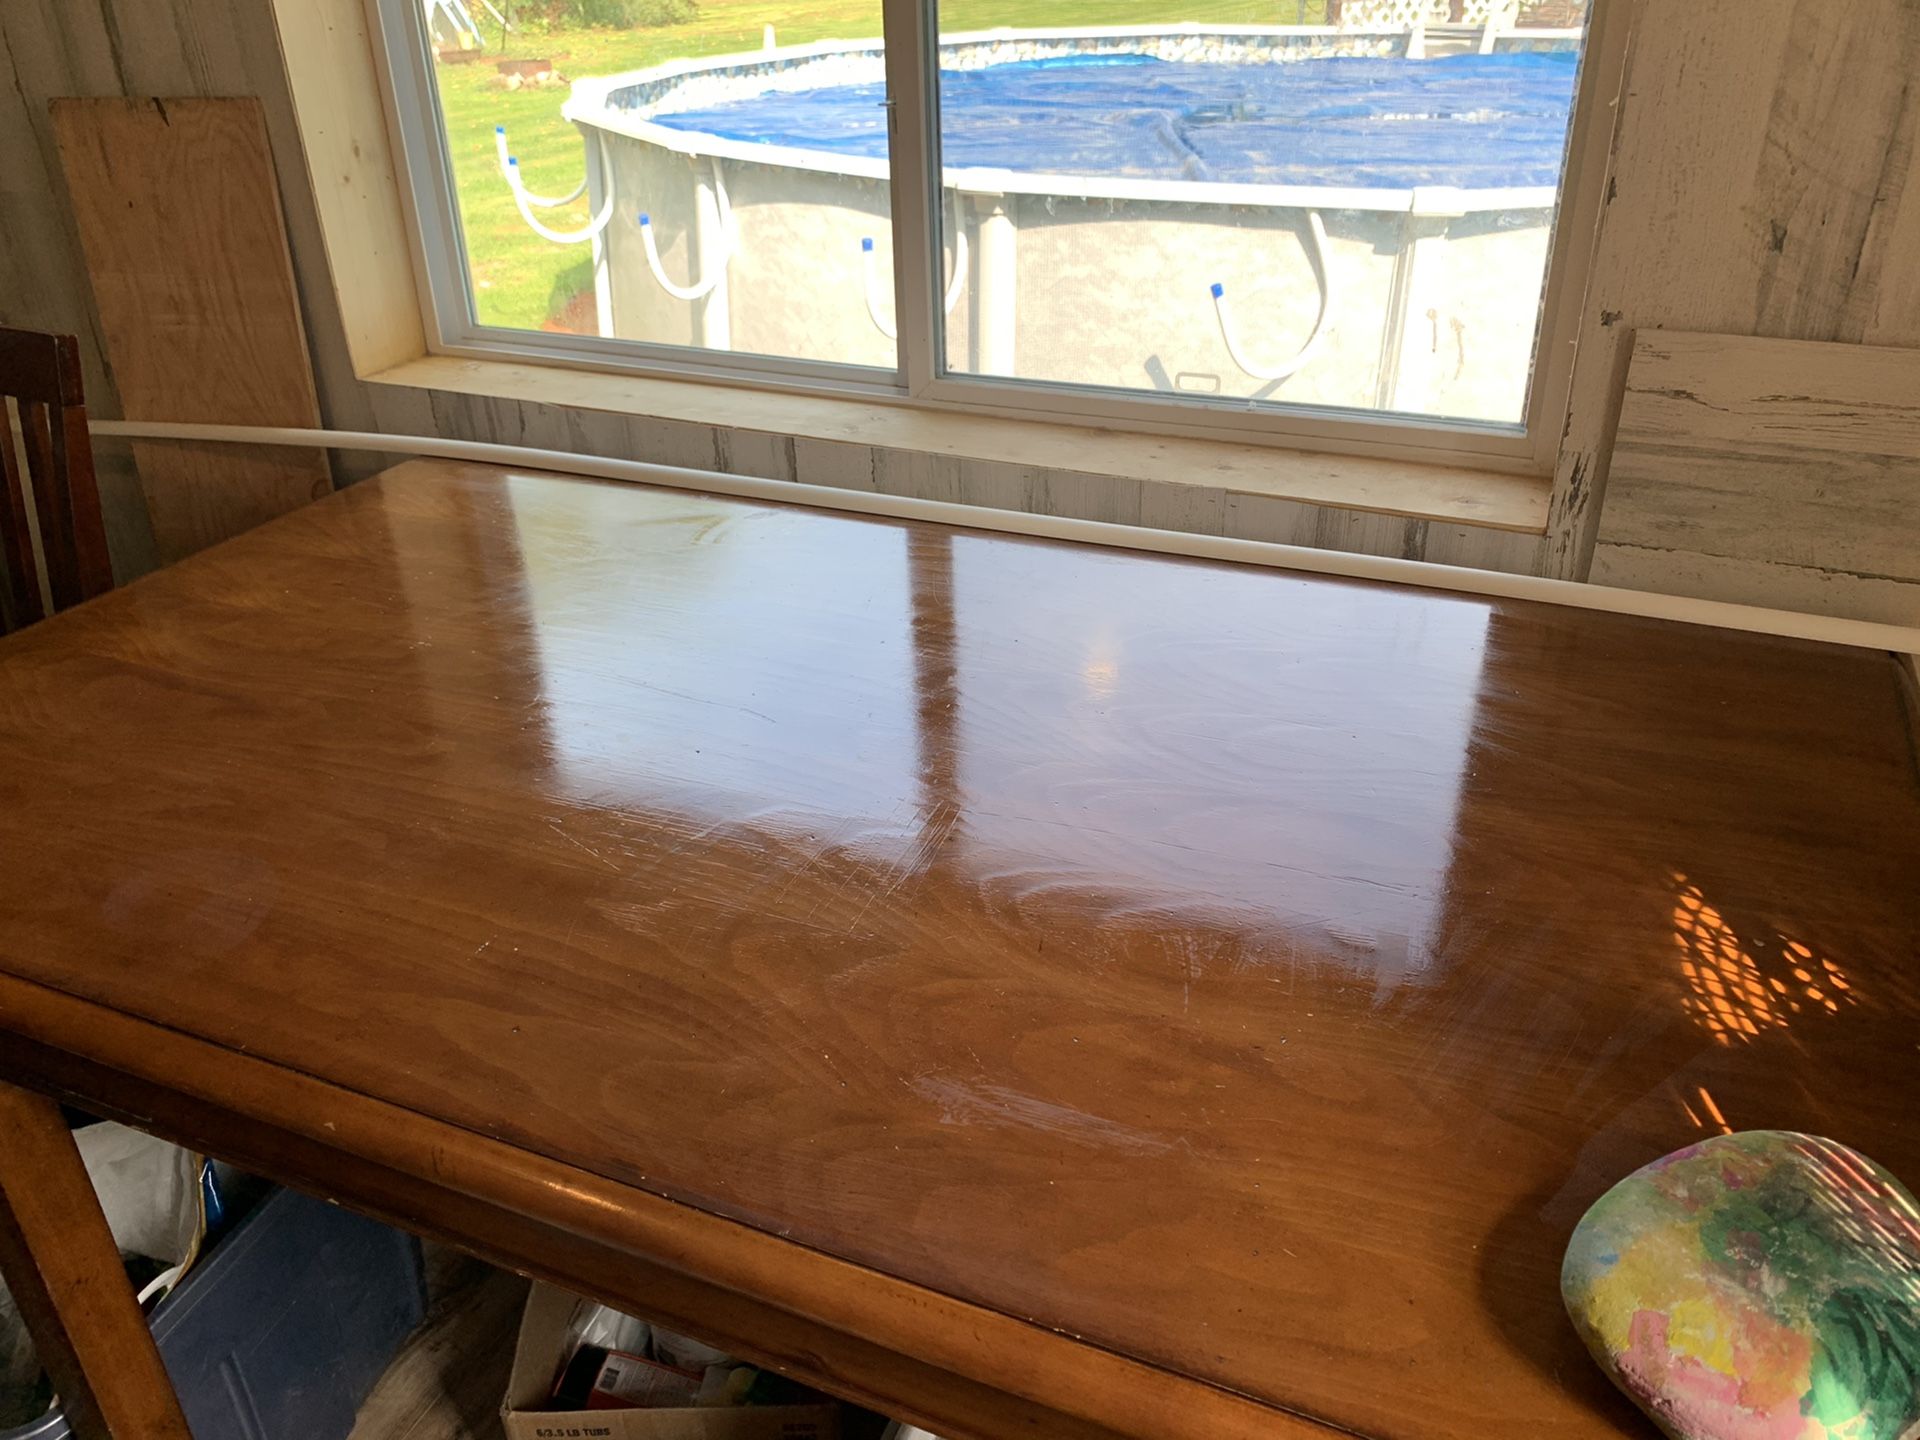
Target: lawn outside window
1301, 222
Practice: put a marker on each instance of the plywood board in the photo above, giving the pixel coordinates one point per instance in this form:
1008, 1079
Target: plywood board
1775, 472
180, 222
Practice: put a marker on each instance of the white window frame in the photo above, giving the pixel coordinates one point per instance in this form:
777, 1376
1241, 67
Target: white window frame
447, 306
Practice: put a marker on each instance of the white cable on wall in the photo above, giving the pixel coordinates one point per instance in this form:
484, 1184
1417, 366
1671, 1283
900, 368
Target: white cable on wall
1493, 584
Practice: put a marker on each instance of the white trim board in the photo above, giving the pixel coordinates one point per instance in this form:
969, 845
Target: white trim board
1493, 584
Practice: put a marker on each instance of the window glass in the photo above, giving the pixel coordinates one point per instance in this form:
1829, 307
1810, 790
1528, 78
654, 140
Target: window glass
1353, 209
645, 170
1342, 204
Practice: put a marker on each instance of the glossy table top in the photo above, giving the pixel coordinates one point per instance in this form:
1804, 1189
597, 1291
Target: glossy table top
1252, 973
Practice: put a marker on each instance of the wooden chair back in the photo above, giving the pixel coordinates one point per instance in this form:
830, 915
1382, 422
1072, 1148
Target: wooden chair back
40, 376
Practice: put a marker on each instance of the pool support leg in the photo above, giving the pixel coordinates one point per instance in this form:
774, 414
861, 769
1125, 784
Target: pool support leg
599, 183
1405, 381
712, 318
998, 260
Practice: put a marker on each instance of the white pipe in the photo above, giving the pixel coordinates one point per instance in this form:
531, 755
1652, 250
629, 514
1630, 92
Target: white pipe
1317, 251
510, 172
599, 180
698, 288
1502, 16
871, 279
713, 251
561, 237
1495, 584
999, 272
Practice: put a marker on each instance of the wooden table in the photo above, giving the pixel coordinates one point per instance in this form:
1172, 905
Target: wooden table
1033, 989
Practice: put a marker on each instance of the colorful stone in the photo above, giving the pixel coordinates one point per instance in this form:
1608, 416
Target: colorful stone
1758, 1286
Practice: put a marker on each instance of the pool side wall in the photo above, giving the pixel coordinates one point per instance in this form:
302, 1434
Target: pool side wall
1432, 312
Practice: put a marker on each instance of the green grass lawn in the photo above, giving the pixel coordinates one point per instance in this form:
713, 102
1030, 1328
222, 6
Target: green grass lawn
523, 281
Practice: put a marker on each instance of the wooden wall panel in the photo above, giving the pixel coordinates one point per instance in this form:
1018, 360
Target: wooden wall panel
1192, 508
1781, 473
1807, 589
179, 219
1773, 472
43, 282
1907, 667
231, 47
345, 141
53, 48
1763, 182
1737, 116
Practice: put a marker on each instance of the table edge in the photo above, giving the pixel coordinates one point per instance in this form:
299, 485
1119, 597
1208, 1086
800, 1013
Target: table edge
906, 1349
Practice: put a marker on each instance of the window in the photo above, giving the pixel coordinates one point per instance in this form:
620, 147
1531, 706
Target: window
1321, 220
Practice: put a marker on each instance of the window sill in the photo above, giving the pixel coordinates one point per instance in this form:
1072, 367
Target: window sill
1450, 495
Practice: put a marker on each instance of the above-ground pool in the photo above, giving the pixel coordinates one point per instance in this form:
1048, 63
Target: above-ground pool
1472, 121
1297, 213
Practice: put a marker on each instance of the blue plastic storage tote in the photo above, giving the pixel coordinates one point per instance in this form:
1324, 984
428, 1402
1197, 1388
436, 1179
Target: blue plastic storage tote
280, 1332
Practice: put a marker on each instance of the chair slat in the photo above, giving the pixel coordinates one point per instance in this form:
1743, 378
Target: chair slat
50, 505
41, 373
16, 540
36, 366
73, 457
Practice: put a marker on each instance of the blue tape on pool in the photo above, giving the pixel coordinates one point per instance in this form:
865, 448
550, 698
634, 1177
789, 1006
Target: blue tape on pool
1475, 121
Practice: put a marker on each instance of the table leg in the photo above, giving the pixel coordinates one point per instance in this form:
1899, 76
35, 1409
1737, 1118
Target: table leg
64, 1272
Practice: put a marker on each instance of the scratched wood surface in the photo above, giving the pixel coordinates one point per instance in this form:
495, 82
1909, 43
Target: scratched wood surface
1226, 971
1760, 471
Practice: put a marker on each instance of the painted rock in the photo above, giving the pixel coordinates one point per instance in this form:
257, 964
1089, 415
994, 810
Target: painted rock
1759, 1286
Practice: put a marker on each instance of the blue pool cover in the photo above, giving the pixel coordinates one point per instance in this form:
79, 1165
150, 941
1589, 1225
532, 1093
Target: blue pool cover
1474, 121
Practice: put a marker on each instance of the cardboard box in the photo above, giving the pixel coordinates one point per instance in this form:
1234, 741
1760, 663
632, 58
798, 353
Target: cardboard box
546, 1341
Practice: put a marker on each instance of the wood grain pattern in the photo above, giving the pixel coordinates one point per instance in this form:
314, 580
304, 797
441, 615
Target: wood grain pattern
24, 603
579, 420
1012, 984
863, 1336
179, 218
1805, 588
1118, 460
348, 152
1754, 87
1764, 181
1910, 692
1769, 472
63, 1271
